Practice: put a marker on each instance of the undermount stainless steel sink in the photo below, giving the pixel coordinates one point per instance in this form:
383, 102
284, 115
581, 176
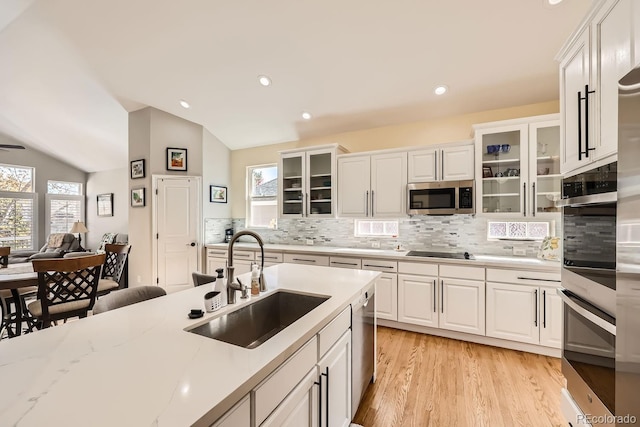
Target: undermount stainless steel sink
254, 324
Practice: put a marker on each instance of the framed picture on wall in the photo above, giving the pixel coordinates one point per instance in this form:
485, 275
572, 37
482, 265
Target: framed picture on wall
217, 194
176, 159
137, 169
105, 204
137, 197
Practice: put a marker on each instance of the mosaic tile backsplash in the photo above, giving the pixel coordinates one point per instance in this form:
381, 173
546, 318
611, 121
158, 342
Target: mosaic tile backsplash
455, 233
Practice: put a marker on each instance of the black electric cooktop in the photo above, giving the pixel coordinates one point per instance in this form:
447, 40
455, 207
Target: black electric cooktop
453, 255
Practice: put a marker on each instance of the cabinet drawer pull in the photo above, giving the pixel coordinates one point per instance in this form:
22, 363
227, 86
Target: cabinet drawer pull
539, 280
378, 266
343, 263
242, 255
305, 260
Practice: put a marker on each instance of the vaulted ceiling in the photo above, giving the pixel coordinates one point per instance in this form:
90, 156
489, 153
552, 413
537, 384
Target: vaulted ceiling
73, 69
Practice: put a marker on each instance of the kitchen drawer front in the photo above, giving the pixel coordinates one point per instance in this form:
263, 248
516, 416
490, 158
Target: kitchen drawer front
272, 257
217, 253
245, 255
331, 333
380, 265
419, 268
461, 272
542, 278
343, 262
270, 392
307, 259
238, 416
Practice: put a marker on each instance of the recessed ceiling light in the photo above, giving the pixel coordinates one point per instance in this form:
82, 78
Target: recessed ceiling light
184, 104
439, 90
264, 80
306, 115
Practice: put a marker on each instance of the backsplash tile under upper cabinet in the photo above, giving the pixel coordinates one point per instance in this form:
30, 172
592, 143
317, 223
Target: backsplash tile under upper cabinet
437, 233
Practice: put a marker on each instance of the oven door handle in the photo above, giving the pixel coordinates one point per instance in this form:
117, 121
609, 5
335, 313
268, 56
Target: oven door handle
589, 315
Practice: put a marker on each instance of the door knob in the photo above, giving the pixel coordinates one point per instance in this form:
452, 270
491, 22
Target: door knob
192, 244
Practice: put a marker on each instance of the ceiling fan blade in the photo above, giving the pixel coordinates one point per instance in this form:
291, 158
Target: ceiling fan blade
14, 146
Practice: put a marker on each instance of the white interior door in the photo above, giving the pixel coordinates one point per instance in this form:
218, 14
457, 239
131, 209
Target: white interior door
177, 232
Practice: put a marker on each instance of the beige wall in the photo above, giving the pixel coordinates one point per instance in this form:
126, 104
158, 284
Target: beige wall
426, 132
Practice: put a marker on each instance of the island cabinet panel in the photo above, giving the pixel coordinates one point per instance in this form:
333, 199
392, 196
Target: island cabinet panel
331, 333
268, 395
300, 408
335, 376
238, 416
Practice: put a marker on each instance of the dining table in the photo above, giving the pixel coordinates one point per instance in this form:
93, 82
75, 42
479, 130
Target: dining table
14, 277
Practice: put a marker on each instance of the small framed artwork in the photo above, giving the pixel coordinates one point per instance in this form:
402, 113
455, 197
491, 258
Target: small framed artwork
105, 204
217, 194
137, 197
137, 169
176, 159
487, 172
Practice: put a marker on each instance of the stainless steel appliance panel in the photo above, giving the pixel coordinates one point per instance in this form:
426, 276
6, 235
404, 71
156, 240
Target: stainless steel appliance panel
440, 198
628, 249
363, 333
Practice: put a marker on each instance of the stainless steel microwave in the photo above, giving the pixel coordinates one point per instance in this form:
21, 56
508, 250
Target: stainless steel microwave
440, 198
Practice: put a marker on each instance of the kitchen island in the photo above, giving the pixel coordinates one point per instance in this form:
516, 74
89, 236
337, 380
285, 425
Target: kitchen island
139, 365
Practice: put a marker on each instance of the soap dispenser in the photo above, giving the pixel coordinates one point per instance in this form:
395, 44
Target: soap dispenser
221, 285
255, 280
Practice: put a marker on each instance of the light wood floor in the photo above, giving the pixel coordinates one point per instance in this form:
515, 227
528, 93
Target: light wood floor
424, 380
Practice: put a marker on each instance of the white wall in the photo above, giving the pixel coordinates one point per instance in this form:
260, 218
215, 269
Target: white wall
47, 168
116, 182
216, 170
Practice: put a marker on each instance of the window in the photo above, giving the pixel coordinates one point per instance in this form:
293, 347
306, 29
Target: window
18, 207
517, 230
365, 228
262, 196
65, 205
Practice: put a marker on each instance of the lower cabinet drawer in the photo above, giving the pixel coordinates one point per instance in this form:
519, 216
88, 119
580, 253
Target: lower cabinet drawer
343, 262
307, 259
461, 272
545, 278
331, 333
270, 392
238, 416
300, 406
380, 265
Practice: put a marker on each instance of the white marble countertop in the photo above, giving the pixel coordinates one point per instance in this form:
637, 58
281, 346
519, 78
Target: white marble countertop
137, 366
480, 260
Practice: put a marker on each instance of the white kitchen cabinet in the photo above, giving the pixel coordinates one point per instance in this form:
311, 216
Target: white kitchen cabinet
441, 163
417, 300
270, 258
386, 287
300, 408
462, 305
335, 376
306, 182
523, 306
345, 262
302, 258
590, 66
217, 258
518, 170
373, 185
238, 416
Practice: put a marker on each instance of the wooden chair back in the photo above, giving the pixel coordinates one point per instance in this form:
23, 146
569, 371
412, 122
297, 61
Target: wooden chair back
67, 280
115, 261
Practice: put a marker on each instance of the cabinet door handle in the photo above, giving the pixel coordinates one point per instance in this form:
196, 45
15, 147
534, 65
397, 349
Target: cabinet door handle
306, 204
373, 212
579, 125
366, 204
524, 199
441, 296
326, 406
535, 310
434, 296
586, 120
319, 384
533, 199
435, 164
442, 164
544, 309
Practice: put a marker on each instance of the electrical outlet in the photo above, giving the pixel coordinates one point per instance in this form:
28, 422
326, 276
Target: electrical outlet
375, 245
310, 242
519, 251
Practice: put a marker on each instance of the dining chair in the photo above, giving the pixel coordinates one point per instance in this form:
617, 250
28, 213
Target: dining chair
67, 288
8, 303
200, 279
4, 256
114, 265
126, 297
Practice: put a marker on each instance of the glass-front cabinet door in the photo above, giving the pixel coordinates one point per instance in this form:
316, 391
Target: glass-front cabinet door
321, 193
544, 166
503, 154
293, 191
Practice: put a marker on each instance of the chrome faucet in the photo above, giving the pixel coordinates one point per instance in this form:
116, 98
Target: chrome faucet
232, 284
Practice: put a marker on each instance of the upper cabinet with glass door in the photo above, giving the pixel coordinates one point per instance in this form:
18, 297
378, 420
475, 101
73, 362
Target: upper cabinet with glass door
518, 166
307, 182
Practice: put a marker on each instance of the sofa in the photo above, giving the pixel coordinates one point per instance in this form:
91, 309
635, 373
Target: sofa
57, 245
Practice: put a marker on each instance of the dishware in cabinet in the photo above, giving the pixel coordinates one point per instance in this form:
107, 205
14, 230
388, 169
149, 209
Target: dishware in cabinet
518, 166
307, 182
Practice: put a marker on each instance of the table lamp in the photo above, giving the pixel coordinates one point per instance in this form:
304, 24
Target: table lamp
79, 227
